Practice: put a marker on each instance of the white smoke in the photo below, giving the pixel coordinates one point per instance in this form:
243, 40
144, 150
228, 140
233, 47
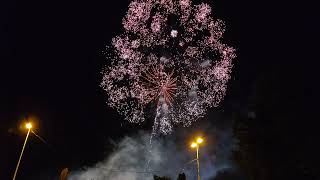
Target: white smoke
167, 158
205, 63
164, 59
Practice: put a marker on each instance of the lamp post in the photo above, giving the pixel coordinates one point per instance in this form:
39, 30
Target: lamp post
196, 145
28, 126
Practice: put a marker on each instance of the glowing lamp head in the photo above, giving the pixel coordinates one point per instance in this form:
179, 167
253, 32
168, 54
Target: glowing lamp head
199, 140
194, 145
28, 125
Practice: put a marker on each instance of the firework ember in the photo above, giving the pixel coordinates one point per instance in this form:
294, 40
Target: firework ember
170, 55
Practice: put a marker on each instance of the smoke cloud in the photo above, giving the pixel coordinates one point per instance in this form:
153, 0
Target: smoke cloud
169, 156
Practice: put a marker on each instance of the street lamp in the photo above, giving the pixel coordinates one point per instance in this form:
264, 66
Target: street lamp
29, 127
196, 144
199, 140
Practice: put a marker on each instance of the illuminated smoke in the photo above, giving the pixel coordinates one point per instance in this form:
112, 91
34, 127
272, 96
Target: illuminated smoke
167, 158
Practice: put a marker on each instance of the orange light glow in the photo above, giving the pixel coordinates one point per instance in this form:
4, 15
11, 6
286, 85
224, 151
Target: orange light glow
28, 125
194, 145
199, 140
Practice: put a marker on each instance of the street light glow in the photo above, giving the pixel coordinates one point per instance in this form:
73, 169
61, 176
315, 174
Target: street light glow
199, 140
28, 125
194, 145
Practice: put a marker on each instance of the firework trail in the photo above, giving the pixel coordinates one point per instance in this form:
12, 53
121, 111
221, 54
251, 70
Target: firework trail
170, 58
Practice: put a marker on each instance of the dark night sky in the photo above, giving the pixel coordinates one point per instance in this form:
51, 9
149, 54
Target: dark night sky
51, 59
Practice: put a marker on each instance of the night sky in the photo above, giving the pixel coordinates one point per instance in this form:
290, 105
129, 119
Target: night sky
51, 59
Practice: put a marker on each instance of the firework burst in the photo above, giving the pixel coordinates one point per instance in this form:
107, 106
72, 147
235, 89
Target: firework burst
171, 55
159, 84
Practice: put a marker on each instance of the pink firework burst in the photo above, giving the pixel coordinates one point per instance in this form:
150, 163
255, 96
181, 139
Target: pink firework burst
170, 54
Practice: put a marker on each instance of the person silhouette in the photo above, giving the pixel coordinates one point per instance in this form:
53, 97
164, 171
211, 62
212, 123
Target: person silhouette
182, 176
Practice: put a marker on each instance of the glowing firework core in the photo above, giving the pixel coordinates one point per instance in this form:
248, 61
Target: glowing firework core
160, 84
170, 55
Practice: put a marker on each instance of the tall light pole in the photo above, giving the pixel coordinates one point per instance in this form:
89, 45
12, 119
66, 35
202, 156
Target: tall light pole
196, 145
28, 126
